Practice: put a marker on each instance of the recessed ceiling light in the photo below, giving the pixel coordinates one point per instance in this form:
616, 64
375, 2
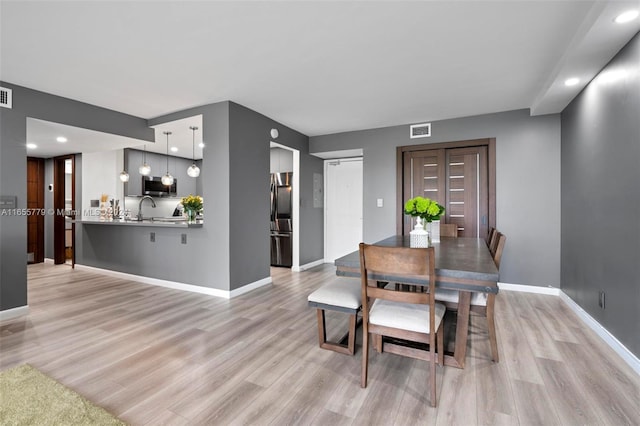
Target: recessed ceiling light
61, 139
627, 16
32, 145
201, 144
571, 81
174, 149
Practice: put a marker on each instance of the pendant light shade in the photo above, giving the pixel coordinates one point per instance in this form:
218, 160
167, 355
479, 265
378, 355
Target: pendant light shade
144, 169
167, 179
124, 176
193, 170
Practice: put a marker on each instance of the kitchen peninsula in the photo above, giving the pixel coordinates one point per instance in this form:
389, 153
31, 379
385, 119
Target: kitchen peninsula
162, 249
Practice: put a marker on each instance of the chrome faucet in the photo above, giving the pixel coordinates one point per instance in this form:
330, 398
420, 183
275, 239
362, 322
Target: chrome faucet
146, 197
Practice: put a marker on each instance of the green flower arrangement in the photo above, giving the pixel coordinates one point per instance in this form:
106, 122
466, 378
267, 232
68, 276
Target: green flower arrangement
192, 202
425, 208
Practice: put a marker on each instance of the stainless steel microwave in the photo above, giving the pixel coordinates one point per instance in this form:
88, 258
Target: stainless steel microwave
152, 185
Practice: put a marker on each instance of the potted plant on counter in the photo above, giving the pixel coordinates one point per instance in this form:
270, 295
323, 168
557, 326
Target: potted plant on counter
192, 205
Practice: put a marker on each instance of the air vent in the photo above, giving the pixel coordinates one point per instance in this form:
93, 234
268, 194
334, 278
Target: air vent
421, 130
5, 97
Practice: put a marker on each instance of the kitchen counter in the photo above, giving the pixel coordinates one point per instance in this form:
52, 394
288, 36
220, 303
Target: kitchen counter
162, 222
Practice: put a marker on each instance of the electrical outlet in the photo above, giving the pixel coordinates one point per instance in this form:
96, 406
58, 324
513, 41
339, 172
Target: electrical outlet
183, 238
152, 237
601, 299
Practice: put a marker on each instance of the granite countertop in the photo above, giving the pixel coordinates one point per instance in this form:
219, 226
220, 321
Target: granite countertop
156, 222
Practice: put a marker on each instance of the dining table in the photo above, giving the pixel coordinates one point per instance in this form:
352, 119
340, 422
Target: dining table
462, 264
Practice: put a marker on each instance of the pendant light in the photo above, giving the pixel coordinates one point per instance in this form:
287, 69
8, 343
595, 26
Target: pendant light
193, 170
124, 176
167, 179
145, 169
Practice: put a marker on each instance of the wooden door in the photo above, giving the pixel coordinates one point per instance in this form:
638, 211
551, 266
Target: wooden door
35, 206
458, 175
467, 203
63, 200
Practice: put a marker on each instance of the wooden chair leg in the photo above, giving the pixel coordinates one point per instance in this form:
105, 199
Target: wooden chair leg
440, 345
365, 355
432, 378
377, 342
322, 334
352, 333
493, 338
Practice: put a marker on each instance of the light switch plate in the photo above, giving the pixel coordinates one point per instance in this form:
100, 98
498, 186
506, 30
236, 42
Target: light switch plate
379, 202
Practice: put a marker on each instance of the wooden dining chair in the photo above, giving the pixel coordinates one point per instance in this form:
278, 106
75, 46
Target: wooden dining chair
449, 230
412, 316
481, 303
490, 234
499, 246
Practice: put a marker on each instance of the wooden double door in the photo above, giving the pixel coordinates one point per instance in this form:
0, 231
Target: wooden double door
458, 175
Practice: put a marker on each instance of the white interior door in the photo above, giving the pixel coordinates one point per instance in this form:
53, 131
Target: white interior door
343, 207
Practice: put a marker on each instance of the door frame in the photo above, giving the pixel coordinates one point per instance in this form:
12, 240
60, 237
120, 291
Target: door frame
40, 227
490, 143
59, 256
295, 205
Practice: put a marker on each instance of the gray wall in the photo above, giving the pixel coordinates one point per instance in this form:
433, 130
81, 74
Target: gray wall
601, 200
249, 156
235, 180
13, 169
527, 174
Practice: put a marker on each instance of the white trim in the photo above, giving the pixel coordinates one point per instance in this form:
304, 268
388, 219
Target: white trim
308, 266
248, 287
176, 285
554, 291
12, 313
48, 260
604, 334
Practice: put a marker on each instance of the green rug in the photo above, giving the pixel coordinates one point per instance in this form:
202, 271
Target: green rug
28, 397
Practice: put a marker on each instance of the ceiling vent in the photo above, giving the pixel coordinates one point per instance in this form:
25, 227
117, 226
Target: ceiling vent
420, 130
5, 97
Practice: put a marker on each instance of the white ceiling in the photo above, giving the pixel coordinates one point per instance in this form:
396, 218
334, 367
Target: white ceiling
319, 67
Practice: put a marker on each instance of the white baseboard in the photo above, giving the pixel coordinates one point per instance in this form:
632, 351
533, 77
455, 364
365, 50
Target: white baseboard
602, 332
225, 294
12, 313
48, 260
554, 291
249, 287
307, 266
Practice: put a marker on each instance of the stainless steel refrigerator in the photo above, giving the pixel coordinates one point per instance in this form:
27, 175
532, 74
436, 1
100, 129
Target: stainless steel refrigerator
281, 221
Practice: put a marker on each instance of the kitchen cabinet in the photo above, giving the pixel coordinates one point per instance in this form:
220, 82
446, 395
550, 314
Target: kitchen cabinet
177, 167
281, 160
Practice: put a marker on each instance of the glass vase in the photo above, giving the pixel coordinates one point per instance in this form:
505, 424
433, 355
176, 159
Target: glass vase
191, 215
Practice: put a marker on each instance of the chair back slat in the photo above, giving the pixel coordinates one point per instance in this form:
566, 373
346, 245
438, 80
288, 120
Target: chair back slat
499, 247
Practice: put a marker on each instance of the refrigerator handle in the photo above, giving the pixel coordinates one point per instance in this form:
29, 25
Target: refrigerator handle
273, 200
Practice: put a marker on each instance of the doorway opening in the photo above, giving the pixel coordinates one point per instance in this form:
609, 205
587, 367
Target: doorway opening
285, 159
64, 207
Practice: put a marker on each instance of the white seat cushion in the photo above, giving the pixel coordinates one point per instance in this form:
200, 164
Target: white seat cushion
405, 316
345, 293
444, 295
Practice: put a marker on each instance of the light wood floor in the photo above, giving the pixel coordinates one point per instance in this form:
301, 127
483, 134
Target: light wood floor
152, 355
